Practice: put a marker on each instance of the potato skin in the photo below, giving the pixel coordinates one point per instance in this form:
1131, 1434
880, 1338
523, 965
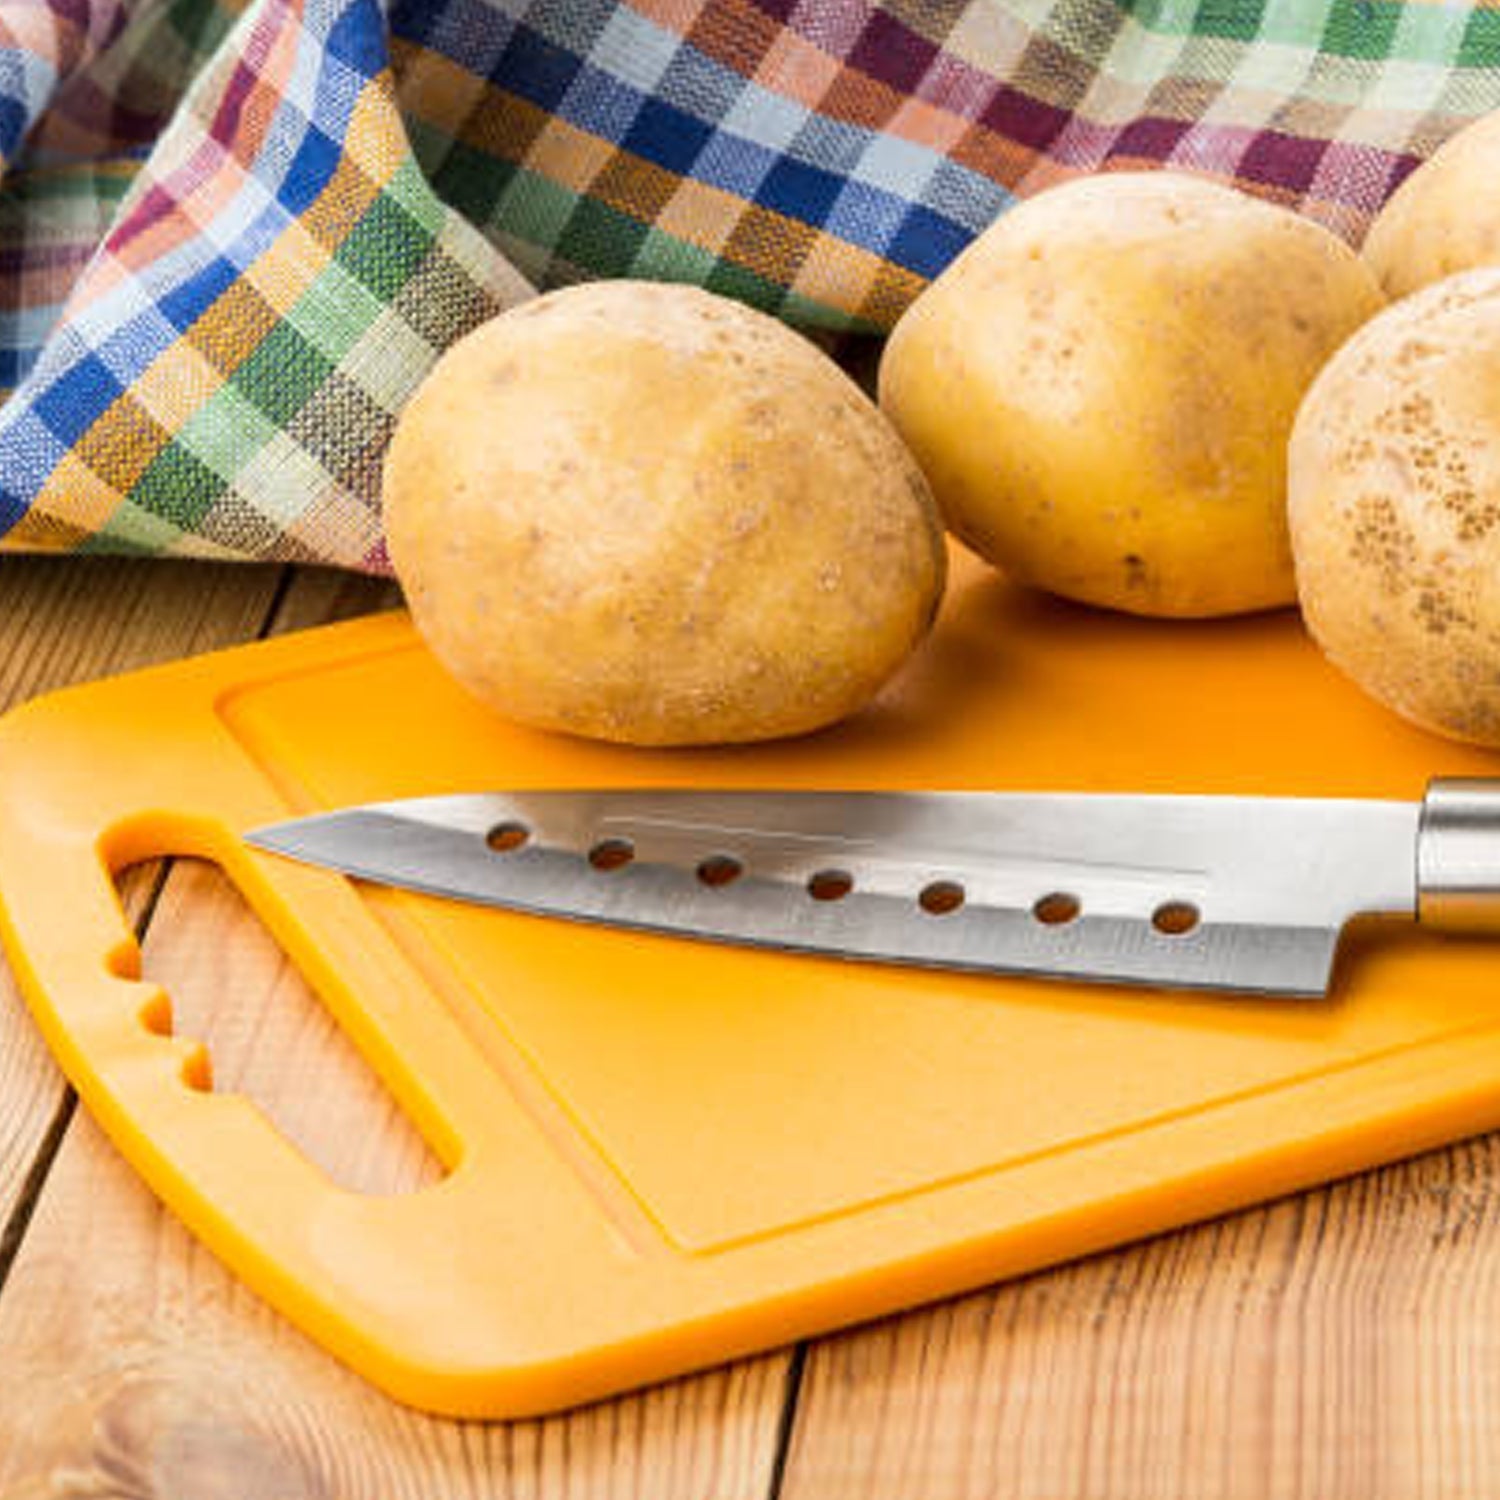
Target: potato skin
648, 514
1395, 507
1444, 218
1101, 387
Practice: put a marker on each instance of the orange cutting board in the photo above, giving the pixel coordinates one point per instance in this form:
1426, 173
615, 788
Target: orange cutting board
659, 1153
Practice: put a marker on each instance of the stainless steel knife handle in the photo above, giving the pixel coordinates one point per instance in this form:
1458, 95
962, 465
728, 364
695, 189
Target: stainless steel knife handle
1458, 854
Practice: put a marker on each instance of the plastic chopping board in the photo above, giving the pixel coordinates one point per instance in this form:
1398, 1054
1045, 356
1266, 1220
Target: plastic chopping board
660, 1154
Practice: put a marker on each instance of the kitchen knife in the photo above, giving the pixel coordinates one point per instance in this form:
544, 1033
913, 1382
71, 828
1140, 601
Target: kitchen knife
1234, 893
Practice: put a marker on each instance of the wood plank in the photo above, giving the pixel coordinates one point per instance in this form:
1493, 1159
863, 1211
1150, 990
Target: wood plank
319, 596
71, 619
134, 1364
1341, 1344
67, 620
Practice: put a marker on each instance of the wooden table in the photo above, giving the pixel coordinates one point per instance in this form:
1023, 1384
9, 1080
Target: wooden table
1343, 1343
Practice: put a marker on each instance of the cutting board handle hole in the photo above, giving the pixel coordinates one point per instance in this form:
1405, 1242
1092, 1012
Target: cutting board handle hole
250, 1025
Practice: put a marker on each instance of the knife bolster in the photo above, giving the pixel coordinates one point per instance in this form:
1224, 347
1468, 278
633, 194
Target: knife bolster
1458, 855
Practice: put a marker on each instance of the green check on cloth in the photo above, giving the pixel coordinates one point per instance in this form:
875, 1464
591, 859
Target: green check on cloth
234, 240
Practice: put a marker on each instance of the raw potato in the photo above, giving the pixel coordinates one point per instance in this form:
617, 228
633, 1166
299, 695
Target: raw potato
1395, 507
1101, 387
649, 514
1445, 217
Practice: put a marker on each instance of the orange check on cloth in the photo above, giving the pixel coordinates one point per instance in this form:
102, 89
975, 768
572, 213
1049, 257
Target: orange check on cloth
235, 239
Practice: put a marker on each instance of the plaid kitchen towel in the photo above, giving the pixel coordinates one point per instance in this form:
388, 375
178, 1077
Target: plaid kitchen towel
234, 237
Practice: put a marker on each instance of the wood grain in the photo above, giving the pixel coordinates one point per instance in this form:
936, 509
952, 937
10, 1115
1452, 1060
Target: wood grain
71, 619
1341, 1344
64, 621
134, 1365
321, 596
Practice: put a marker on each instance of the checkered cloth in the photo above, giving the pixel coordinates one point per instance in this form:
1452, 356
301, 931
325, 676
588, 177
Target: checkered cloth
233, 241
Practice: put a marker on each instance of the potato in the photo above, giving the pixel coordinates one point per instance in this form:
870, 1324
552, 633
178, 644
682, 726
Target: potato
1444, 218
649, 514
1395, 507
1101, 387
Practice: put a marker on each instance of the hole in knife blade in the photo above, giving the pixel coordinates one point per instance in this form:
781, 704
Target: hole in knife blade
720, 869
504, 837
611, 854
830, 885
1173, 918
941, 897
1056, 908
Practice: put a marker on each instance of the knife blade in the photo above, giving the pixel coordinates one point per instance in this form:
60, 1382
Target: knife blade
1234, 893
